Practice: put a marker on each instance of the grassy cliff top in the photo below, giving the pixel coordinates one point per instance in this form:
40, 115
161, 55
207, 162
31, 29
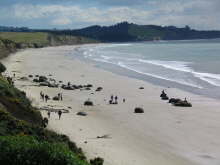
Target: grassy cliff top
25, 37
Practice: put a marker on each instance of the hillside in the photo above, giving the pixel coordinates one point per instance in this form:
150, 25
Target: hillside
11, 41
124, 32
23, 137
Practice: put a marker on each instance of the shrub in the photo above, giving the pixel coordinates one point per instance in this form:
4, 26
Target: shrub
26, 150
97, 161
2, 68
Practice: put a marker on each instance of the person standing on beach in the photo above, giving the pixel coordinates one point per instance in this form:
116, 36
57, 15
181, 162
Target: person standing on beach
48, 114
42, 95
46, 98
116, 100
59, 114
58, 96
61, 97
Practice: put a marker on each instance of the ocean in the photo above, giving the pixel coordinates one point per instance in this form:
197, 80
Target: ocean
192, 65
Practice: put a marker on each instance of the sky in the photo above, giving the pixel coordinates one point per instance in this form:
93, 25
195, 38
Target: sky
74, 14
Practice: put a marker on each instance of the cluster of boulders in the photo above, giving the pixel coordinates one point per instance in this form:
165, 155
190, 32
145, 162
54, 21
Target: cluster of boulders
44, 81
180, 103
50, 82
175, 101
87, 87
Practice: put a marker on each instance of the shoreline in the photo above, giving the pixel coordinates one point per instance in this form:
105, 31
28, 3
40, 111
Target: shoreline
157, 138
206, 91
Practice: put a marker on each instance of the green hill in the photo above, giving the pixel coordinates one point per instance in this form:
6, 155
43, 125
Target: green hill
128, 32
23, 137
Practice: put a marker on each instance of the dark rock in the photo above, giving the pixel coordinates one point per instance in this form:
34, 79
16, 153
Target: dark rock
44, 84
183, 104
138, 110
56, 98
88, 103
82, 113
35, 80
89, 85
53, 85
165, 98
98, 89
42, 79
66, 87
24, 79
174, 100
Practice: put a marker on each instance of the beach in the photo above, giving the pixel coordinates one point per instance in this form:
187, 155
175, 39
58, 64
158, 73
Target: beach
163, 135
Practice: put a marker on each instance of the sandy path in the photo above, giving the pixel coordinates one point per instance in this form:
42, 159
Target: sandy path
163, 135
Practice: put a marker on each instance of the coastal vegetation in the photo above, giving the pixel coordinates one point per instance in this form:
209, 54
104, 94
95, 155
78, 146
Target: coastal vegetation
128, 32
23, 138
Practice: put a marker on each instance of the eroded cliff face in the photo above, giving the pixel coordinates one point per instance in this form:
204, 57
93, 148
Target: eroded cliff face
7, 47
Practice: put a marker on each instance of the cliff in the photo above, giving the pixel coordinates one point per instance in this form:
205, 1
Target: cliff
12, 41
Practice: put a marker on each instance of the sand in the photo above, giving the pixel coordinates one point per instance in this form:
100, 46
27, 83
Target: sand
163, 135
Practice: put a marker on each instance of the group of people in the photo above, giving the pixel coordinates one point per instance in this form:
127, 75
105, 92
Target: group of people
59, 114
44, 97
114, 100
60, 96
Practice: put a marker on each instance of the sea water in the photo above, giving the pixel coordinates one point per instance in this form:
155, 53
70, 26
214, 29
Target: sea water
189, 65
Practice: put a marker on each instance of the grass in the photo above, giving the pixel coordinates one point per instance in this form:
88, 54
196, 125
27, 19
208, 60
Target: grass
26, 150
26, 37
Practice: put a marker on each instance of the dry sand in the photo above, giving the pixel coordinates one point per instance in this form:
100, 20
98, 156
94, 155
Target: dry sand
163, 135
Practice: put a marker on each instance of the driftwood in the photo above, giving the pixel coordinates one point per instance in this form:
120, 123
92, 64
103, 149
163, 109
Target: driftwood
104, 137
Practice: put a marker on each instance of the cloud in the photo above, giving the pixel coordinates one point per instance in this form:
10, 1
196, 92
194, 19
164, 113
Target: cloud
90, 15
201, 14
61, 21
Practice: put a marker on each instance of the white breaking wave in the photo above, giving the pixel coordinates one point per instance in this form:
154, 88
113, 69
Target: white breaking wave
213, 79
160, 77
174, 65
119, 58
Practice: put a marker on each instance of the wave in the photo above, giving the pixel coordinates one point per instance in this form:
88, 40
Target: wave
174, 65
213, 79
123, 60
160, 77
